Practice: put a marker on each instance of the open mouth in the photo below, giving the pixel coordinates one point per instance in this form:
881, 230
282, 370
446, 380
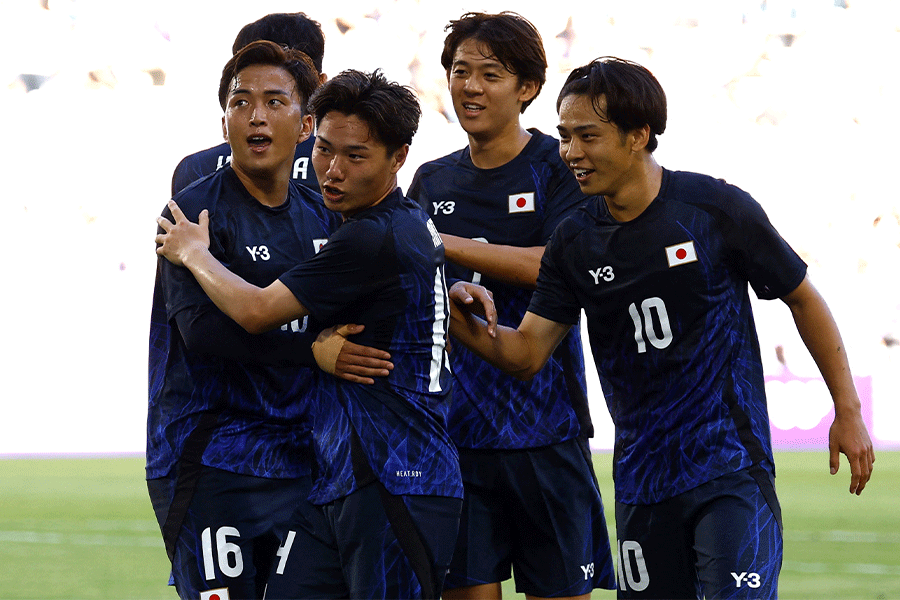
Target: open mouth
258, 143
582, 174
472, 109
332, 193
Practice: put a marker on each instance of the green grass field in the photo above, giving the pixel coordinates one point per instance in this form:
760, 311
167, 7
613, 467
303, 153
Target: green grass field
83, 528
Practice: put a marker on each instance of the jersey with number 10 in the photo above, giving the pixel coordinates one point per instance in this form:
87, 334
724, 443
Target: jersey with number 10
671, 329
517, 204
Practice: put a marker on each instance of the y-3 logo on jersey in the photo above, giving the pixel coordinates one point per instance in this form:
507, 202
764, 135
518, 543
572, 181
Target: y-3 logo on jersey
604, 273
261, 252
752, 580
445, 207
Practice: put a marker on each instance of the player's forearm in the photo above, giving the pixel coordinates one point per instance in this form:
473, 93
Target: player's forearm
820, 334
243, 302
507, 350
509, 264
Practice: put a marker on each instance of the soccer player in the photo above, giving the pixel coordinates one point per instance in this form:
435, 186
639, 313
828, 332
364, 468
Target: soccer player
532, 503
229, 453
389, 482
660, 261
291, 30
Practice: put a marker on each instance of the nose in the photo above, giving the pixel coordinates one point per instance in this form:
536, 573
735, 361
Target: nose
258, 116
570, 151
472, 85
334, 171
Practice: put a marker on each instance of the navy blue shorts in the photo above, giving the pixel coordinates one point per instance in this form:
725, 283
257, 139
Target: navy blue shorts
231, 527
536, 512
722, 539
370, 544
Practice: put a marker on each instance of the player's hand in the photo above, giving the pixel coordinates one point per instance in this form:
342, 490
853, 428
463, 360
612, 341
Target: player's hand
476, 299
337, 355
848, 435
181, 238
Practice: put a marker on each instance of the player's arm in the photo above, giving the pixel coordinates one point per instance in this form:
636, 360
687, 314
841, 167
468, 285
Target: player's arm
209, 331
520, 352
509, 264
820, 333
255, 309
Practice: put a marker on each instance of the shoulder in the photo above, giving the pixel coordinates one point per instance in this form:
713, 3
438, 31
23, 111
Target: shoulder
450, 161
202, 157
543, 152
704, 188
309, 201
543, 143
579, 220
209, 192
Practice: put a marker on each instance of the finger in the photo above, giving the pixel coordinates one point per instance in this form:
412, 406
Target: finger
460, 295
346, 362
490, 316
164, 224
865, 471
203, 221
365, 351
355, 378
834, 458
348, 329
856, 476
362, 371
176, 212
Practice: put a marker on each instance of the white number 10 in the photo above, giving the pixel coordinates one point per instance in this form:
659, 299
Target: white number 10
658, 342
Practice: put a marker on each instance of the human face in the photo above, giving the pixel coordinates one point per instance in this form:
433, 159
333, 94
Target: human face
601, 157
354, 168
264, 121
486, 97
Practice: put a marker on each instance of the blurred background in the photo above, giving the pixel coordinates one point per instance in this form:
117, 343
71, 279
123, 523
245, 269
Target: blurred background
792, 100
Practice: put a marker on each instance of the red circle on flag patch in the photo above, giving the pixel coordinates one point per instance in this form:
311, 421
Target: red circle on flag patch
681, 254
521, 202
215, 597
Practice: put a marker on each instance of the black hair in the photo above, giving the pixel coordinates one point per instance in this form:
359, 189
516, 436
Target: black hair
391, 110
262, 52
507, 37
293, 30
634, 97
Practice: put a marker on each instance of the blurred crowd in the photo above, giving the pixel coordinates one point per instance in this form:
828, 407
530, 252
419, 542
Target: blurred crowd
792, 100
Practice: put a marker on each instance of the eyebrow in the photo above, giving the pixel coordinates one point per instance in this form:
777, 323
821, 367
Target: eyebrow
353, 147
577, 128
487, 63
275, 92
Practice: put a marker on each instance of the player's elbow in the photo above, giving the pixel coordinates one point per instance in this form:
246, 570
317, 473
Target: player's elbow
254, 322
254, 316
525, 373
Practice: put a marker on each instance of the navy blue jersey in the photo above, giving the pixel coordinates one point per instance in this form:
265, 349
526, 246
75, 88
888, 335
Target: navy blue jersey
671, 329
384, 268
196, 165
517, 204
237, 400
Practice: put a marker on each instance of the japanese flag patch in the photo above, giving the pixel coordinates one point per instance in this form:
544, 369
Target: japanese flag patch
519, 203
681, 254
217, 594
318, 243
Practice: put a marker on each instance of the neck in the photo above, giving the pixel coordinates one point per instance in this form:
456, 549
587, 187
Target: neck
488, 152
633, 198
268, 190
